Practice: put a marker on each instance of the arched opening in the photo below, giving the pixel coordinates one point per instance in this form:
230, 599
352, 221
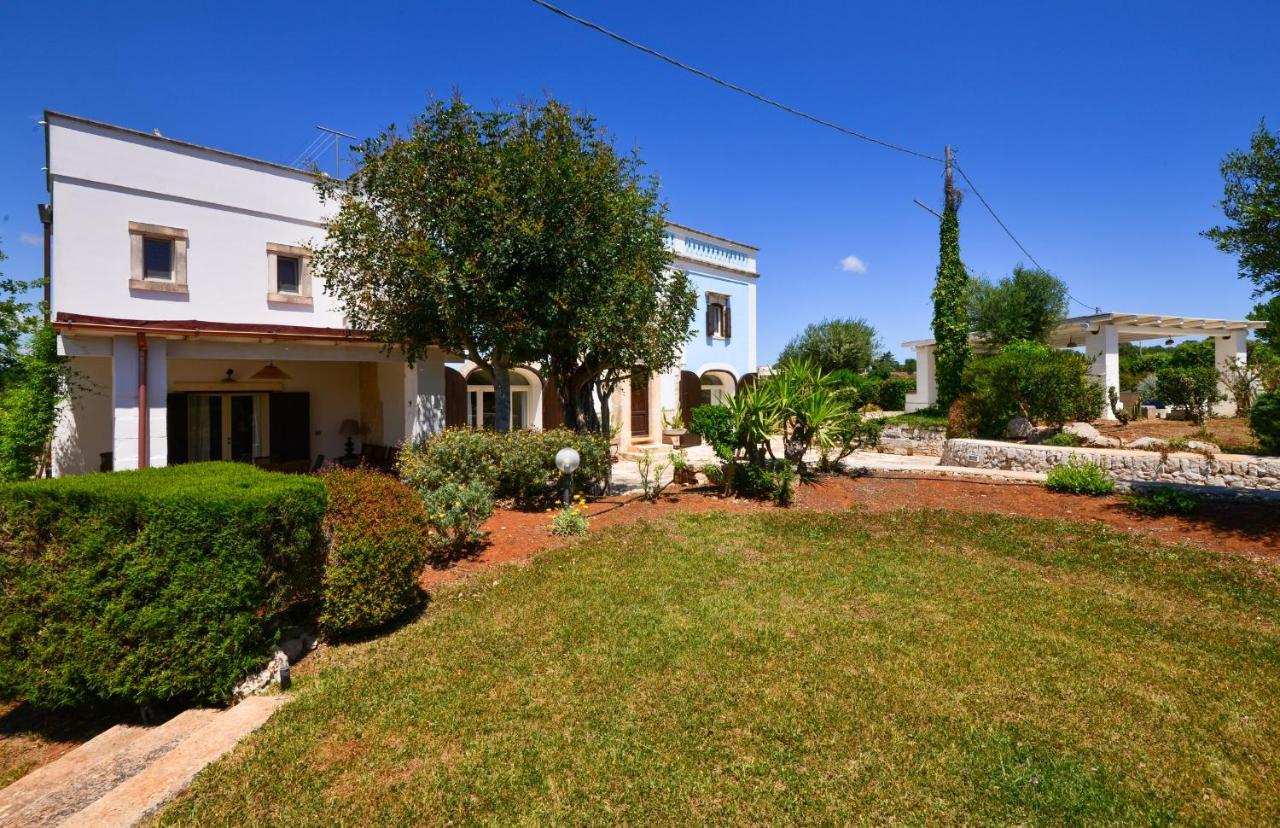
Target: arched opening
482, 401
716, 387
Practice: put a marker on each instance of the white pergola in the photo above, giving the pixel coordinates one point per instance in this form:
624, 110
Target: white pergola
1100, 335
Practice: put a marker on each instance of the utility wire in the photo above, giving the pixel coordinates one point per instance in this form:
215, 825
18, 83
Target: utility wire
1009, 232
726, 84
799, 113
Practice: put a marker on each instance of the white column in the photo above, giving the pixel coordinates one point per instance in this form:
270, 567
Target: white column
926, 393
752, 364
124, 403
1103, 348
424, 396
158, 400
1228, 348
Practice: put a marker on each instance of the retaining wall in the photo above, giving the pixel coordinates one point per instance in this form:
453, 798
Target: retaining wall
1228, 472
899, 439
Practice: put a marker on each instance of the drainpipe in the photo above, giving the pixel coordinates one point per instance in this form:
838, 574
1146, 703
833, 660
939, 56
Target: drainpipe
144, 444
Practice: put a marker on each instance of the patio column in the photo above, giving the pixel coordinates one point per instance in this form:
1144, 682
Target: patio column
1228, 348
926, 393
1103, 348
424, 396
124, 402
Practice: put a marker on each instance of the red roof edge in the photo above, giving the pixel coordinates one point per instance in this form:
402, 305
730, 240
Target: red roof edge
71, 322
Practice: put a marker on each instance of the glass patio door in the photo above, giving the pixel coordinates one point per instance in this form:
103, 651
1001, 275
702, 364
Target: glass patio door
227, 427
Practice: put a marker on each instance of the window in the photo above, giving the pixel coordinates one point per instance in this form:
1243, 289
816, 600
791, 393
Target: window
713, 390
482, 401
288, 275
717, 316
157, 259
288, 271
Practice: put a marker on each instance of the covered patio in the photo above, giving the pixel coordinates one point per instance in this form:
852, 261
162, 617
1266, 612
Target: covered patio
1100, 335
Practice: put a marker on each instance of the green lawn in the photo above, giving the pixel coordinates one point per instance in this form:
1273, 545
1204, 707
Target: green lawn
928, 667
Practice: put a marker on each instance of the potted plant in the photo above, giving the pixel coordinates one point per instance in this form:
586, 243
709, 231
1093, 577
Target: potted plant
673, 427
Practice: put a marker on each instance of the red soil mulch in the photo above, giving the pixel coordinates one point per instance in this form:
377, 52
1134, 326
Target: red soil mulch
1240, 528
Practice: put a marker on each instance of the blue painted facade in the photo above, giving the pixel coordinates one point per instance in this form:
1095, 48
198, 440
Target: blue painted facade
703, 350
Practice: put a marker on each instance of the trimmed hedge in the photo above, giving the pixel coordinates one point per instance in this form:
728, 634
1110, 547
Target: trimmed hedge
142, 587
518, 464
377, 540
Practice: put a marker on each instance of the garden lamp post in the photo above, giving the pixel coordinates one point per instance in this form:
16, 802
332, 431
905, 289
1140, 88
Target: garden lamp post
567, 461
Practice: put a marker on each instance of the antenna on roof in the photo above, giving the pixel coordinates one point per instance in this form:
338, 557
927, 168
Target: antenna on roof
337, 157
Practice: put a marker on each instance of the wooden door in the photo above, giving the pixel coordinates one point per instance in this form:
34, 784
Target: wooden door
639, 408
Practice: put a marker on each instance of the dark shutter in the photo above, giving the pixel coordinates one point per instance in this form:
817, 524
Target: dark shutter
690, 398
711, 323
176, 419
552, 410
455, 398
290, 417
728, 332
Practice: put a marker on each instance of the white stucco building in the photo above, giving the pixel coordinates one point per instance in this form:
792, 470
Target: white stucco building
1100, 335
181, 292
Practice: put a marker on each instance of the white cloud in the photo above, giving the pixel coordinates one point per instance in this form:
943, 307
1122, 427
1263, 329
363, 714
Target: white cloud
31, 238
852, 264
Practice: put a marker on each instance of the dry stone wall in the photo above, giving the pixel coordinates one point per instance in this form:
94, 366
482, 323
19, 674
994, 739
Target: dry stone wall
900, 439
1232, 472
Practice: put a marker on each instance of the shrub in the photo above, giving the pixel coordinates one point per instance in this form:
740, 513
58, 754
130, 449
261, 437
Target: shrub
773, 480
714, 473
377, 539
1163, 501
146, 586
517, 464
1062, 438
714, 423
1193, 387
1264, 419
456, 512
1080, 478
570, 520
963, 419
892, 395
1035, 381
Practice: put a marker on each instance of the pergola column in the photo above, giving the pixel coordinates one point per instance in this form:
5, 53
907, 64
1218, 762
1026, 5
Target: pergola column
1103, 348
1228, 348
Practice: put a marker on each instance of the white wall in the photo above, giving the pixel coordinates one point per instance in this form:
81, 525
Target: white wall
83, 429
103, 179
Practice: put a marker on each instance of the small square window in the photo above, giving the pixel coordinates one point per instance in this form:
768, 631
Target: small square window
288, 269
157, 259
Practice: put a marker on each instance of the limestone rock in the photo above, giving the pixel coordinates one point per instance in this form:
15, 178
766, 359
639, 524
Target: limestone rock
1039, 434
1202, 446
264, 678
1084, 431
1018, 429
1149, 444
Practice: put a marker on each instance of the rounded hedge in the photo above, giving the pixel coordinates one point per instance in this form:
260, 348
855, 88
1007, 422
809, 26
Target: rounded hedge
377, 543
1264, 419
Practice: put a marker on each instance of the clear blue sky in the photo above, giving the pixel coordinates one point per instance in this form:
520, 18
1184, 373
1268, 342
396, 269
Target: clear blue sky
1095, 129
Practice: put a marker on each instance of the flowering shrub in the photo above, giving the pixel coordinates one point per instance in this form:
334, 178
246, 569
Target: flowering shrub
455, 513
377, 538
570, 519
518, 464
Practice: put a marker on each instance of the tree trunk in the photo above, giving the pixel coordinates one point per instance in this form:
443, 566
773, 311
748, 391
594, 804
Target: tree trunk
587, 422
501, 396
606, 427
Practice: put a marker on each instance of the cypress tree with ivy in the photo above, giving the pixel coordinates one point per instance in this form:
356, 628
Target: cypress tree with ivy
950, 300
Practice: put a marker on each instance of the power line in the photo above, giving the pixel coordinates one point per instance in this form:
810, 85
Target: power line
726, 84
798, 113
1009, 232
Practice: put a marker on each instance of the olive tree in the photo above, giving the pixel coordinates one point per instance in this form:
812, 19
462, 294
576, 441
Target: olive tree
1027, 305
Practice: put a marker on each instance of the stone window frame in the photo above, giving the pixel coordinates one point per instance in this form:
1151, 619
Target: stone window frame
177, 283
723, 331
303, 296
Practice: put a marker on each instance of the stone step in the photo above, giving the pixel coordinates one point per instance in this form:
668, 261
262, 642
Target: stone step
41, 781
144, 792
78, 778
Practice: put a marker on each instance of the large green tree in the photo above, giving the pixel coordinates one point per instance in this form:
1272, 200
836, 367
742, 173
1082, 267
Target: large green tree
1027, 305
834, 344
1251, 204
1269, 312
950, 301
510, 237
